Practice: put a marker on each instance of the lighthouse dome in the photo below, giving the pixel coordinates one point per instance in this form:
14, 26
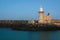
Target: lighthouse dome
41, 9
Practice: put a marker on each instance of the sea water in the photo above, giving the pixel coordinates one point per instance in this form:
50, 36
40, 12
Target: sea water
9, 34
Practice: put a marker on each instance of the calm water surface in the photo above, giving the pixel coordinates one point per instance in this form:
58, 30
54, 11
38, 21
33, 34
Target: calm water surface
8, 34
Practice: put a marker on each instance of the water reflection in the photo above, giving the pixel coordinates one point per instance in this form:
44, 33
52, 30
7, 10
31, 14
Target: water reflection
42, 35
45, 35
49, 35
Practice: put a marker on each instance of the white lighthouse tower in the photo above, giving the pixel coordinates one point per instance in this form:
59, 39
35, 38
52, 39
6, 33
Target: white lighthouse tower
41, 16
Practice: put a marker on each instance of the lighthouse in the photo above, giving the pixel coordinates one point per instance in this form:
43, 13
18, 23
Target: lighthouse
42, 19
41, 16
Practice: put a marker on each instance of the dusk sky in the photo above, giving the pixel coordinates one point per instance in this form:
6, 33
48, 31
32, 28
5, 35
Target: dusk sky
28, 9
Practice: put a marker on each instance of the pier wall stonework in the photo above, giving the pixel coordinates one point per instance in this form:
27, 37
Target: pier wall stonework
57, 22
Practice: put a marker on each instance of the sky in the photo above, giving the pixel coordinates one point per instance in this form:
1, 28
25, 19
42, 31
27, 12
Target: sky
28, 9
